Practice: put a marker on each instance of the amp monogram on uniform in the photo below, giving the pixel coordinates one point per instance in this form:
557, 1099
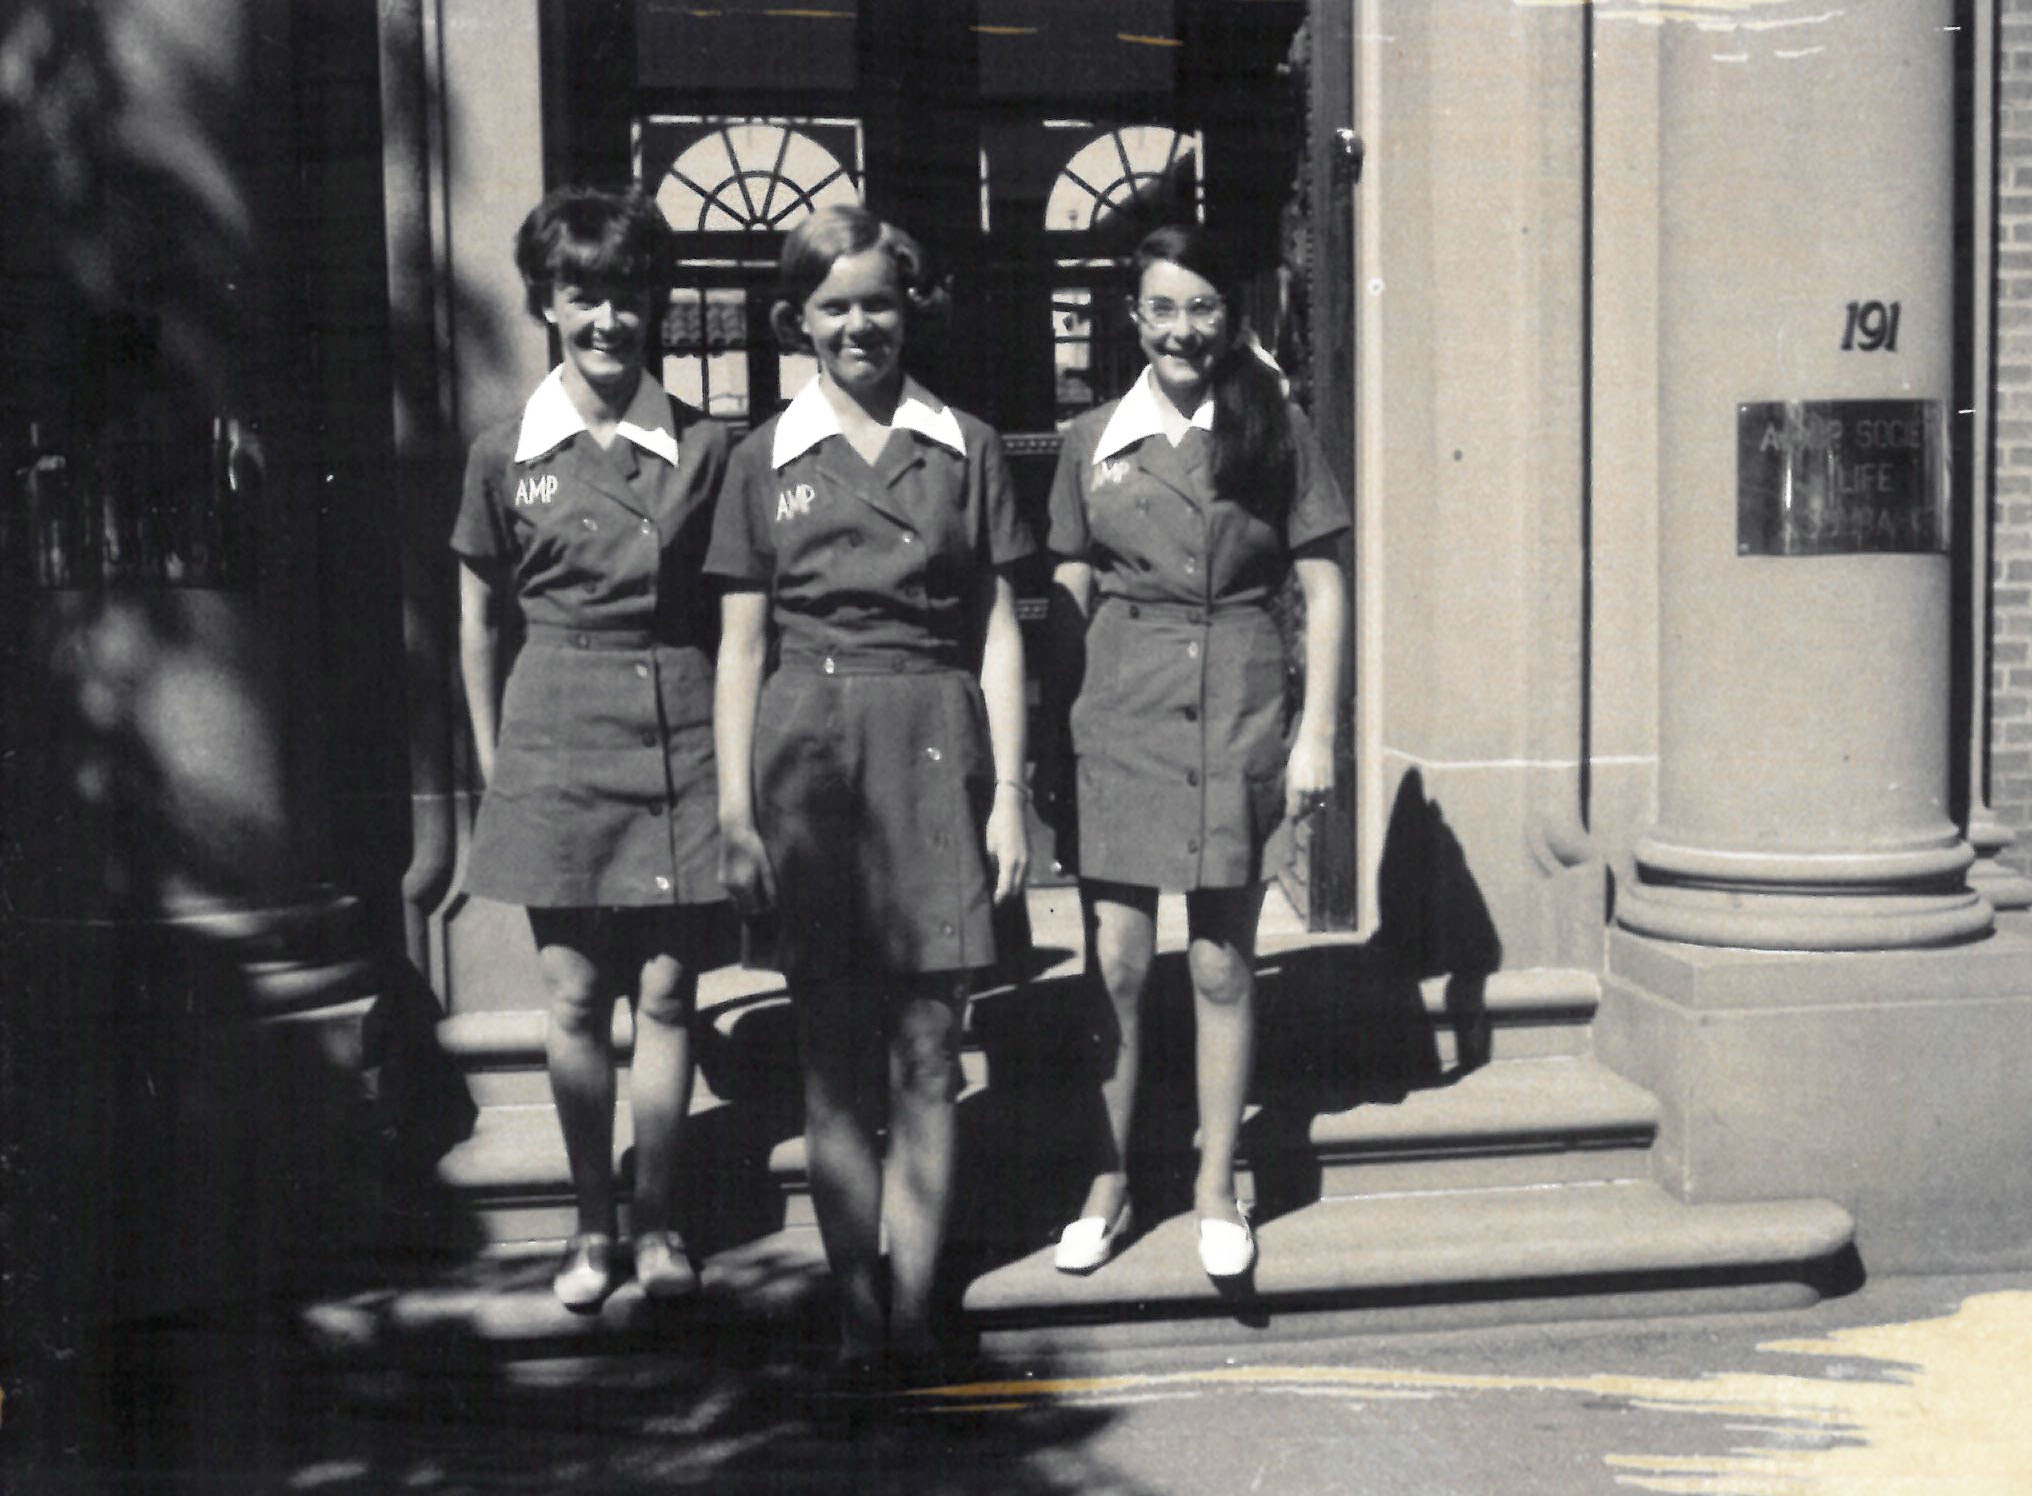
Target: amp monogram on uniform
792, 502
538, 490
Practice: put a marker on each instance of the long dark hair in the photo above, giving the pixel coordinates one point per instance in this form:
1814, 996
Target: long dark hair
1253, 458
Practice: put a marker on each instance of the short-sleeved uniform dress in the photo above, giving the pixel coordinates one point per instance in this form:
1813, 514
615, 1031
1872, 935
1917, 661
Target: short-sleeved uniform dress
1180, 728
603, 791
872, 771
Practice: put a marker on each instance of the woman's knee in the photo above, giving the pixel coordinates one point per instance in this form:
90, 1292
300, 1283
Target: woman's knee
925, 1052
666, 992
1124, 972
572, 985
1220, 973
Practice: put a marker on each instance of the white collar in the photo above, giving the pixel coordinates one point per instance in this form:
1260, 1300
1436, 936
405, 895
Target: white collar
550, 420
810, 418
1136, 417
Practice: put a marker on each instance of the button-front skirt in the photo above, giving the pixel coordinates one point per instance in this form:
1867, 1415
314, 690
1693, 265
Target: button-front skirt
872, 791
603, 791
1181, 736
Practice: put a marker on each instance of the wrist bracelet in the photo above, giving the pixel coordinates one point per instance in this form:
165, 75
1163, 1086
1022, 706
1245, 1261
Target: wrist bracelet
1015, 784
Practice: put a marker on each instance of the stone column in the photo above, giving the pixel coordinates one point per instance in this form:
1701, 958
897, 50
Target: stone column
1807, 235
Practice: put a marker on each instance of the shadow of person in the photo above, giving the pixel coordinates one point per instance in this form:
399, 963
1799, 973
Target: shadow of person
1433, 919
1337, 1026
749, 1060
1345, 1025
1025, 1136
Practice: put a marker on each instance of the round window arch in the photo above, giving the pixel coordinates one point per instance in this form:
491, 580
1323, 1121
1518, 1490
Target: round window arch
752, 176
1133, 174
1116, 186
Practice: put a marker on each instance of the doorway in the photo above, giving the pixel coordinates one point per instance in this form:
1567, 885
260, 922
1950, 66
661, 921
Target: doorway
1029, 144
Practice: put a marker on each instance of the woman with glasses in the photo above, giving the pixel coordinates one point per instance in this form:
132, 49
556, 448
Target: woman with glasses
1177, 513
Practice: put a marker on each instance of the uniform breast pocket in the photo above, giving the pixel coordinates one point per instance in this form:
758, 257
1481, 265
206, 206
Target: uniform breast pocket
1118, 518
944, 518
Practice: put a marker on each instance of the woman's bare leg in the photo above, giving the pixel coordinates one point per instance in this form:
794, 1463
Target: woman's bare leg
578, 1050
841, 1048
924, 1081
1121, 929
660, 1076
1221, 959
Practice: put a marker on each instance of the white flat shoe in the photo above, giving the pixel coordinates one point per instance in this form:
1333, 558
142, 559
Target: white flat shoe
1090, 1241
663, 1267
1226, 1250
586, 1276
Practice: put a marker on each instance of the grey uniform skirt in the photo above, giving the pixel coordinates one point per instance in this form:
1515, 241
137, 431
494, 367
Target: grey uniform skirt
872, 784
1181, 738
603, 791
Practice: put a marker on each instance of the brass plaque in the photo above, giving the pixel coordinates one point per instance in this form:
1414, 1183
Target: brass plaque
1837, 477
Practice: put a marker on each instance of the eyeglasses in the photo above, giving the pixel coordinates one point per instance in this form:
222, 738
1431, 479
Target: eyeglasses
1202, 313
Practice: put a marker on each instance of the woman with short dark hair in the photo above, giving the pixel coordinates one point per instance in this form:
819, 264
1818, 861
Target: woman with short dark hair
588, 512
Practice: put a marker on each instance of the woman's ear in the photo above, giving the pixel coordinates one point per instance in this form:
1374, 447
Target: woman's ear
788, 326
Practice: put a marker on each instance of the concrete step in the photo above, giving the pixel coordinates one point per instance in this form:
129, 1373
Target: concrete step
1381, 1262
500, 1050
1515, 1123
1505, 1253
1326, 1003
1519, 1122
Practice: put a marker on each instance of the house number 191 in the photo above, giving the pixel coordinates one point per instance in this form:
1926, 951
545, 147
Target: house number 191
1871, 325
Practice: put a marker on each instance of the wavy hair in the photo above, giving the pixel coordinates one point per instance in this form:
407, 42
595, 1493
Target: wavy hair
832, 234
1254, 461
584, 235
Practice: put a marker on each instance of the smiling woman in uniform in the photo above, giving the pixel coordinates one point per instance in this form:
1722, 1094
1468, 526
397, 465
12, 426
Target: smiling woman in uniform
871, 787
1177, 513
590, 512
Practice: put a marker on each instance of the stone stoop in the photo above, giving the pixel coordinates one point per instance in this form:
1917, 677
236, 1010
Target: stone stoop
1419, 1150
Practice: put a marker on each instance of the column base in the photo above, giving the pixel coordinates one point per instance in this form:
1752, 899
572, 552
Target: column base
1758, 920
1891, 1082
1913, 892
2003, 886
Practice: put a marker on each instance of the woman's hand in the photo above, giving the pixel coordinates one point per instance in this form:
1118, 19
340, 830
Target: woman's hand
745, 870
1309, 776
1008, 841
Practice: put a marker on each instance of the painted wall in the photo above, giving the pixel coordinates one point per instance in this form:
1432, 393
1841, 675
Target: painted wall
489, 63
1473, 502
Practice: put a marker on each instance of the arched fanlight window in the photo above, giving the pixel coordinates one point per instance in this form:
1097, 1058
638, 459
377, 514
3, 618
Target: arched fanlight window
751, 175
1141, 171
731, 188
1116, 186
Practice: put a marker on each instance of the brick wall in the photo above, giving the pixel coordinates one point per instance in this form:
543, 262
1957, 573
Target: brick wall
2011, 537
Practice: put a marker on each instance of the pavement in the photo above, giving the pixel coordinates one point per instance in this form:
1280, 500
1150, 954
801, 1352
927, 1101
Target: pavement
1907, 1386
